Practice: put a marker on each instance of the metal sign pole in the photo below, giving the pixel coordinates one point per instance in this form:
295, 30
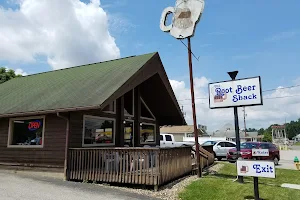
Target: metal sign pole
256, 190
198, 164
237, 129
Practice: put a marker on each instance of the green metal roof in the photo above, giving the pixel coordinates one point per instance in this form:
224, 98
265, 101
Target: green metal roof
76, 87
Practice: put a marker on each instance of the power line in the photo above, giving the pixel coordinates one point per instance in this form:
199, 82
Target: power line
267, 98
282, 88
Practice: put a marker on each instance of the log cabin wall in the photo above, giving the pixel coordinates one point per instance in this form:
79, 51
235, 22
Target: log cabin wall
52, 152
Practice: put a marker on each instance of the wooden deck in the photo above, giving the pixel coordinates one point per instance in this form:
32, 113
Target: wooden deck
146, 166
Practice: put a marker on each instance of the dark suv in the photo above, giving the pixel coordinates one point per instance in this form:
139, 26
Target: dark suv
246, 152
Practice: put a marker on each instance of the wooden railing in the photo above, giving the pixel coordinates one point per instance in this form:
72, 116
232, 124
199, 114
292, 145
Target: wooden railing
147, 166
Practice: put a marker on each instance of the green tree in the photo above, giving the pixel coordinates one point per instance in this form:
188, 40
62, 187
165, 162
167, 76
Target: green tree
261, 131
293, 128
6, 75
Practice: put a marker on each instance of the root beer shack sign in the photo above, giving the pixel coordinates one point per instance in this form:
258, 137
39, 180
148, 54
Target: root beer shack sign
242, 92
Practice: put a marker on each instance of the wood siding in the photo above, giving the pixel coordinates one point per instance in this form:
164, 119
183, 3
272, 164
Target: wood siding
52, 154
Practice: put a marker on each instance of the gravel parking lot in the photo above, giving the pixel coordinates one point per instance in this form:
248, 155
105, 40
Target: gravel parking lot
21, 187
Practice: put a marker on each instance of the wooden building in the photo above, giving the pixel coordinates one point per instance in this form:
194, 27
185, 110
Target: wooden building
75, 118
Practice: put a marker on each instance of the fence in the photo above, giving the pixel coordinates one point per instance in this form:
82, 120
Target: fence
147, 166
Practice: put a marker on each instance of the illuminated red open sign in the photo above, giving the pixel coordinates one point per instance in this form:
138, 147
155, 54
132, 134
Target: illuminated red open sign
34, 125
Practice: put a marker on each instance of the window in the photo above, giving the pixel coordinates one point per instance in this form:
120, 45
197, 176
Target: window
128, 133
110, 108
222, 144
25, 132
247, 145
168, 138
147, 133
229, 144
161, 138
209, 143
264, 146
128, 103
145, 111
98, 131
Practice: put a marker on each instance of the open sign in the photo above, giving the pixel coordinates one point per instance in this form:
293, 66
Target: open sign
34, 125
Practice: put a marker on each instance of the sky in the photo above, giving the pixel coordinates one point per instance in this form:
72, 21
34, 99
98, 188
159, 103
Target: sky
257, 38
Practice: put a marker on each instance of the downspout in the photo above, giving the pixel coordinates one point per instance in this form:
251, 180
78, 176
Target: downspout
67, 143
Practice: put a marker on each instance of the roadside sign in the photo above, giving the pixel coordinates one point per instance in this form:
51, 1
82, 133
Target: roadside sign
242, 92
260, 152
256, 168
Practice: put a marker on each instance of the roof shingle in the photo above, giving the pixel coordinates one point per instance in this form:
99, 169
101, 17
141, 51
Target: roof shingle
82, 86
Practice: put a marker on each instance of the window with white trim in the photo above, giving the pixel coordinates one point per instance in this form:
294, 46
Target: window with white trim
98, 131
24, 132
147, 133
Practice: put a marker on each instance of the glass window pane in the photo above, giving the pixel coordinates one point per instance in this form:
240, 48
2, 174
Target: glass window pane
147, 133
168, 138
27, 132
128, 103
128, 133
98, 131
144, 111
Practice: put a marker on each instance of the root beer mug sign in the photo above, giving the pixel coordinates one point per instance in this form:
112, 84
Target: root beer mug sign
186, 14
243, 92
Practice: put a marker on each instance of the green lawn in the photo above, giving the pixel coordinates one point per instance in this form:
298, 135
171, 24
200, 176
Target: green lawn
297, 144
221, 186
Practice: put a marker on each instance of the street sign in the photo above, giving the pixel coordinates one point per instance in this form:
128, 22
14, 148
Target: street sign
256, 168
242, 92
260, 152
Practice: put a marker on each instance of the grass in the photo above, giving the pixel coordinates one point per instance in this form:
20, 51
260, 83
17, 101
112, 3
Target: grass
221, 186
297, 144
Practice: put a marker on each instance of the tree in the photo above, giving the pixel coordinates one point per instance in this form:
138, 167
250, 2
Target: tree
6, 75
251, 130
261, 131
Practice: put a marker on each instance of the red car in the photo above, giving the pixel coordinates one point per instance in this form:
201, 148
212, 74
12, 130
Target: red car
246, 152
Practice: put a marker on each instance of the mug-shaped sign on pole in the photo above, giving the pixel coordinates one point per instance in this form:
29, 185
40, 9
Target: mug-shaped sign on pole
186, 14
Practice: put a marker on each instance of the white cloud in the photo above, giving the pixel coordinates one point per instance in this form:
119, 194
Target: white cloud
20, 72
67, 32
273, 111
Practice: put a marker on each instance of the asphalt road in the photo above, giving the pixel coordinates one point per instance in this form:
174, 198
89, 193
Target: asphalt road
287, 158
21, 187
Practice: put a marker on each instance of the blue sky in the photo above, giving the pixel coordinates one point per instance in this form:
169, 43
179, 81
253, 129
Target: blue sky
257, 38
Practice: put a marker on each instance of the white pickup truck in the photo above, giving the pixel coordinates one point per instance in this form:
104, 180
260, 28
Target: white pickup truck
167, 140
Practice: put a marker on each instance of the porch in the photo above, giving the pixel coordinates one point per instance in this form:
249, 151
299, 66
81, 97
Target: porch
142, 166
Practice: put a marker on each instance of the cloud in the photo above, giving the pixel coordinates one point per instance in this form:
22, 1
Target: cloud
282, 36
277, 106
67, 33
18, 71
21, 72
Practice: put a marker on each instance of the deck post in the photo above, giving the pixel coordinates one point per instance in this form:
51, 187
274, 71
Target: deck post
119, 137
137, 114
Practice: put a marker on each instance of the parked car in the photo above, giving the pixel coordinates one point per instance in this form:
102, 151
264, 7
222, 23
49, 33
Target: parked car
246, 152
168, 140
220, 148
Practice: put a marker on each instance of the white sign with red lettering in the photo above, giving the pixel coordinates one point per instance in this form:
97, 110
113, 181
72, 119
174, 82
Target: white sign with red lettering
260, 152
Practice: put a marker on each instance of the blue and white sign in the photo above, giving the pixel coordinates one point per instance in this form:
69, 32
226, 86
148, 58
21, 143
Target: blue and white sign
243, 92
260, 152
256, 168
